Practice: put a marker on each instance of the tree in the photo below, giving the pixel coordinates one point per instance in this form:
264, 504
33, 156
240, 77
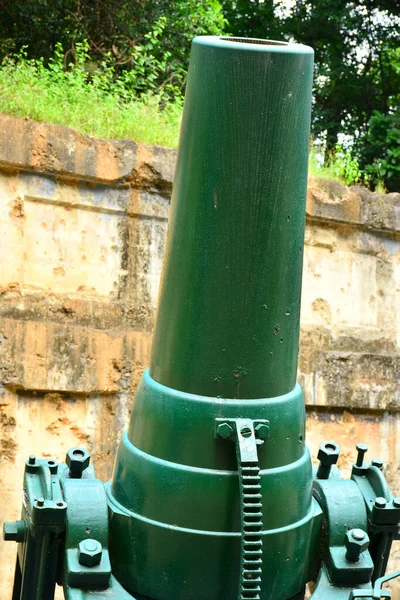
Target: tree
252, 19
146, 44
114, 29
379, 151
356, 77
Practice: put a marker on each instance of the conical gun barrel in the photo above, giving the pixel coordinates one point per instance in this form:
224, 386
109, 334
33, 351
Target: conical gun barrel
229, 307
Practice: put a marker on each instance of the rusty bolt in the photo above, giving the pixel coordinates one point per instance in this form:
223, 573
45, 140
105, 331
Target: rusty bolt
78, 460
224, 430
262, 431
356, 542
328, 455
89, 553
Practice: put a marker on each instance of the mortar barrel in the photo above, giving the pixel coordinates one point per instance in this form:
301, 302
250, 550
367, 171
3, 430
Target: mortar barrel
229, 304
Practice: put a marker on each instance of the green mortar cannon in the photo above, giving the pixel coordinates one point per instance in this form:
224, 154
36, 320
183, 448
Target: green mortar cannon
213, 495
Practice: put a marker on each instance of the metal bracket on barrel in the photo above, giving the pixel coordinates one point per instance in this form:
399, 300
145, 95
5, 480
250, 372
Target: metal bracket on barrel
228, 428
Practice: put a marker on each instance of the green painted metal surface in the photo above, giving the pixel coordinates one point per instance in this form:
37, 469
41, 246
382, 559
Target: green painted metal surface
175, 489
225, 351
225, 343
228, 317
87, 519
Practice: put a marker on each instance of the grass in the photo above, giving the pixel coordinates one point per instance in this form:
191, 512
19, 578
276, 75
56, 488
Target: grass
342, 168
316, 169
96, 105
103, 106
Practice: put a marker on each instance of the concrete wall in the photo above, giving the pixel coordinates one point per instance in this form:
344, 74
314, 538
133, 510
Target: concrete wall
82, 230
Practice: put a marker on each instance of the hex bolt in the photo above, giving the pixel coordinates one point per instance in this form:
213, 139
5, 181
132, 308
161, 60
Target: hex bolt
262, 431
328, 455
380, 502
14, 532
224, 430
77, 460
358, 534
89, 552
40, 502
378, 463
356, 542
361, 450
396, 502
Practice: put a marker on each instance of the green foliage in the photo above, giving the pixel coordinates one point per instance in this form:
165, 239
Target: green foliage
152, 39
111, 69
148, 65
135, 53
353, 43
345, 166
378, 148
94, 103
252, 19
380, 151
342, 167
357, 65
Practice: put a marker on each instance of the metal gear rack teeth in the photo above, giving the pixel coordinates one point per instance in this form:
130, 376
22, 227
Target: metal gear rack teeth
246, 434
252, 525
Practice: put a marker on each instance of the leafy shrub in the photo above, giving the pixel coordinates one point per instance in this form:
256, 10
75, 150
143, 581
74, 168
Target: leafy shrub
380, 152
129, 35
342, 167
95, 102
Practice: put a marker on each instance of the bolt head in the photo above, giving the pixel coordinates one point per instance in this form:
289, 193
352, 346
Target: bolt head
10, 532
358, 534
14, 532
362, 447
262, 431
77, 460
396, 502
328, 453
380, 502
356, 542
89, 553
224, 430
378, 463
